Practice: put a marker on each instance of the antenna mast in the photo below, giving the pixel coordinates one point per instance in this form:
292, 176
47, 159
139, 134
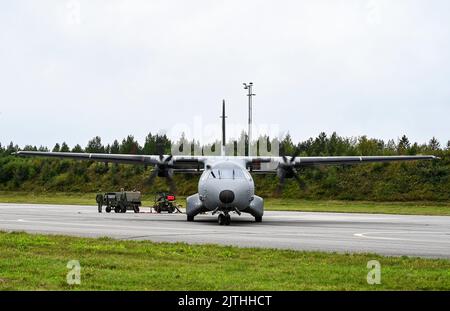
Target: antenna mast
250, 94
223, 147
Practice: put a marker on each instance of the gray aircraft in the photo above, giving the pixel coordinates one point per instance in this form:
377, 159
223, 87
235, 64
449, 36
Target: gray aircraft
226, 185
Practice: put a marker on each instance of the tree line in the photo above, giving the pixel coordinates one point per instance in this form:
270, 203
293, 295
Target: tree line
422, 180
322, 145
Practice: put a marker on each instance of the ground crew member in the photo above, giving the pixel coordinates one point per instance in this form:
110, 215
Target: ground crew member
99, 200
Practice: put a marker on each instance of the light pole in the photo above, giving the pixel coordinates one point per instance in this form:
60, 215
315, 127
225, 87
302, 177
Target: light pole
250, 94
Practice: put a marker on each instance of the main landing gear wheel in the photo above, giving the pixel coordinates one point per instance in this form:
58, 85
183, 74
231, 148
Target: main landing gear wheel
108, 209
258, 219
117, 209
190, 218
224, 219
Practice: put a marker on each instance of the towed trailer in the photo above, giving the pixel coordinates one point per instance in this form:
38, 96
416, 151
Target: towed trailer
119, 202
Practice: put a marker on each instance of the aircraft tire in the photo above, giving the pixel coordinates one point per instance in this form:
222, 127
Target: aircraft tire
221, 219
190, 218
258, 219
108, 209
227, 220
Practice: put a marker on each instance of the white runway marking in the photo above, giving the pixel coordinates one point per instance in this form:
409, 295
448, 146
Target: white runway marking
368, 235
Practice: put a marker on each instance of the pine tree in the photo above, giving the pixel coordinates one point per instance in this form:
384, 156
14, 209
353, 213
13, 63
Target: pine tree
320, 145
163, 144
77, 149
57, 148
434, 144
287, 147
391, 147
29, 148
130, 146
333, 145
149, 145
415, 149
11, 149
115, 147
95, 145
64, 147
403, 145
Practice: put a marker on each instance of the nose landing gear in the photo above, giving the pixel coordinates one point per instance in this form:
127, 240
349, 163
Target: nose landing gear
224, 219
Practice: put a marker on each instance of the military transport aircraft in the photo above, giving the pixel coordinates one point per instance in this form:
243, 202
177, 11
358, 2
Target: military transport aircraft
225, 185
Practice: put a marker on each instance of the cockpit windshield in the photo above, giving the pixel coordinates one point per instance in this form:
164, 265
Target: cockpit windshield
227, 174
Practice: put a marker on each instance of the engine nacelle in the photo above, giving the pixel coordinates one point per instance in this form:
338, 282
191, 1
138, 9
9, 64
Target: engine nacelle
256, 207
164, 172
282, 172
194, 206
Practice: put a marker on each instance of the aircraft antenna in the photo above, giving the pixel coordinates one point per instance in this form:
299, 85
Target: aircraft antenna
222, 150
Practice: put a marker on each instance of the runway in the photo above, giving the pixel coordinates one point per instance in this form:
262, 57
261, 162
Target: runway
424, 236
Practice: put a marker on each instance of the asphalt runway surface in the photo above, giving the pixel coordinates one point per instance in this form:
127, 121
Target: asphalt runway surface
424, 236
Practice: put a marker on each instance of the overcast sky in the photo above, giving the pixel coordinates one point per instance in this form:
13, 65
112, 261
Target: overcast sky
70, 70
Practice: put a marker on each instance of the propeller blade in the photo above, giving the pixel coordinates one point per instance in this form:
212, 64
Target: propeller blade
172, 186
300, 181
296, 176
164, 166
153, 175
169, 158
280, 186
296, 154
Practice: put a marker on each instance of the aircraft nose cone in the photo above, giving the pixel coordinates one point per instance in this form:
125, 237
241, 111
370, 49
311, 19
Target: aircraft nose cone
226, 196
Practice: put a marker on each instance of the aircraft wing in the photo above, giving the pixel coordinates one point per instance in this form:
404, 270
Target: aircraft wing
182, 162
195, 162
268, 164
306, 161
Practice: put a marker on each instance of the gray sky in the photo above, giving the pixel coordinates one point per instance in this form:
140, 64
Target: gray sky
70, 70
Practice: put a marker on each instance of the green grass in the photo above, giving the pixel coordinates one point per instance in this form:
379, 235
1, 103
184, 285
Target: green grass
38, 262
405, 208
401, 208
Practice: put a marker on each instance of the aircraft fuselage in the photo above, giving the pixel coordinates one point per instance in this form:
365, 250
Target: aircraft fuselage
225, 186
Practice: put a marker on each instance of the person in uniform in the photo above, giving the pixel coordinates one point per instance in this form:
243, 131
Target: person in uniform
99, 200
